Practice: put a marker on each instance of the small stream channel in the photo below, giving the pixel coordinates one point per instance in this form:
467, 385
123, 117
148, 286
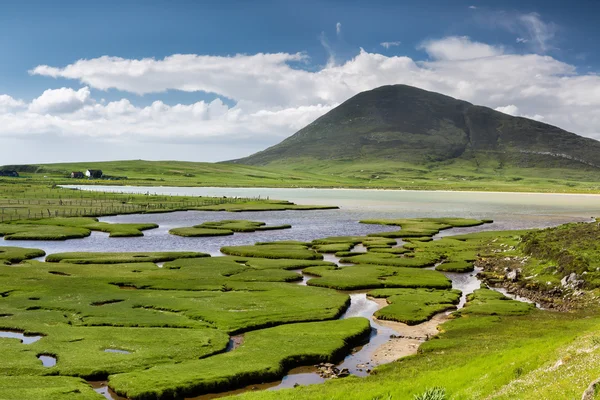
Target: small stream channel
360, 361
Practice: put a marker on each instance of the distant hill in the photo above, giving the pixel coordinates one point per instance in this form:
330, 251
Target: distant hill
401, 123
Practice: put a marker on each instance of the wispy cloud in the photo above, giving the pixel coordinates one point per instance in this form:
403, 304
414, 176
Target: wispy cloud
530, 28
473, 7
328, 49
387, 45
338, 28
540, 33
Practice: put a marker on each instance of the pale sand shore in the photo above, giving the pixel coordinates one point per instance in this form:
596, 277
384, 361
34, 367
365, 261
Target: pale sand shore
402, 347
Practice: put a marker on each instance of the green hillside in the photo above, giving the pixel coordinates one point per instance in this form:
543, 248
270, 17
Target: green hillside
390, 137
405, 135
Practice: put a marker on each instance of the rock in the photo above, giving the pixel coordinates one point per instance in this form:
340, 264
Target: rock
513, 275
572, 281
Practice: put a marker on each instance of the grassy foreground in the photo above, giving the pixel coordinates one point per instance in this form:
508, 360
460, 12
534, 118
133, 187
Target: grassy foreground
493, 348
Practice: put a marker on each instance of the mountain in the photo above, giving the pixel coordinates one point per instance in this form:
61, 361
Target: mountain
401, 123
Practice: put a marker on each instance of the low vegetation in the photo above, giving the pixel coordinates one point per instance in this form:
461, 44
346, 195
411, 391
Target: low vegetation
264, 355
224, 228
294, 251
121, 258
18, 254
413, 306
375, 276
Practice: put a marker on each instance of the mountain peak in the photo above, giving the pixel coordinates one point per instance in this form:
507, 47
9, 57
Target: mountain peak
408, 124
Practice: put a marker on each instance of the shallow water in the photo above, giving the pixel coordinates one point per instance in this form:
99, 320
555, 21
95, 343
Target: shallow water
101, 387
25, 339
466, 282
118, 351
47, 361
509, 211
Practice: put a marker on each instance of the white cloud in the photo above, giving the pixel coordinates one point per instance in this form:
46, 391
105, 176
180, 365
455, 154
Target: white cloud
522, 40
387, 45
459, 48
338, 28
473, 7
274, 96
510, 110
63, 100
9, 104
229, 76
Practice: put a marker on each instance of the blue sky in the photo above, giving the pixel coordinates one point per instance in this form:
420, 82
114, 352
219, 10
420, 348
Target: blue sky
128, 78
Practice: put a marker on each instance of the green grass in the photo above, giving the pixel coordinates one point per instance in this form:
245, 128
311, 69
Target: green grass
80, 351
391, 259
199, 232
91, 224
455, 266
224, 228
46, 388
414, 306
41, 232
120, 258
265, 355
18, 254
417, 228
205, 292
490, 302
478, 357
266, 263
292, 251
471, 174
37, 197
375, 276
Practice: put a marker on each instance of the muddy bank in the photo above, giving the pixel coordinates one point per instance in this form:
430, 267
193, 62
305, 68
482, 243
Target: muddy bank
407, 340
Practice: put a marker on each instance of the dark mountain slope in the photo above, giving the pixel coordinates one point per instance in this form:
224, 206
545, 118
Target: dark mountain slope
407, 124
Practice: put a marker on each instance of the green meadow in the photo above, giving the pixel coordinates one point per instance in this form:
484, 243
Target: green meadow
99, 315
477, 174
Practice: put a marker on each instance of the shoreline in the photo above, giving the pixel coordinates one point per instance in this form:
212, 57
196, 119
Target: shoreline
341, 189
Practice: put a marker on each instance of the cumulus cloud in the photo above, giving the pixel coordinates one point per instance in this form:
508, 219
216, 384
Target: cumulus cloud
8, 104
459, 48
63, 100
387, 45
231, 76
273, 96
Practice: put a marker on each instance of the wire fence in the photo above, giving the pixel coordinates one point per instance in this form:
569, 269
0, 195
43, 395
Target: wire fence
50, 203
